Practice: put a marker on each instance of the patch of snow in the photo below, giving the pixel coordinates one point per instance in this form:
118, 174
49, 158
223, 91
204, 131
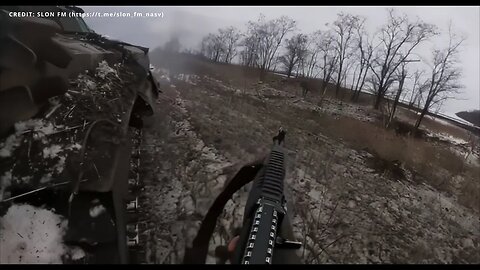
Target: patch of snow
7, 147
45, 130
468, 243
316, 195
352, 204
165, 77
280, 74
46, 178
85, 83
94, 201
162, 71
32, 235
188, 78
25, 125
24, 179
75, 146
97, 210
443, 122
90, 85
450, 138
456, 212
104, 69
162, 74
52, 151
77, 253
200, 145
217, 167
39, 127
60, 165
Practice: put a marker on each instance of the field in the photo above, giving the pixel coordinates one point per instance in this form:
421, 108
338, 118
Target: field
357, 193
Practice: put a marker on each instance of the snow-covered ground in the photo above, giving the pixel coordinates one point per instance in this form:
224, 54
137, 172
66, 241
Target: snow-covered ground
280, 74
30, 234
34, 157
188, 78
187, 190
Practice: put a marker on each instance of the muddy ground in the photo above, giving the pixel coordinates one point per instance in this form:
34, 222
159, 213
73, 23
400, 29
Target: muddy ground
347, 206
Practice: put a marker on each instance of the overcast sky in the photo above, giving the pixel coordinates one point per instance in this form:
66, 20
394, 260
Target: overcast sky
191, 23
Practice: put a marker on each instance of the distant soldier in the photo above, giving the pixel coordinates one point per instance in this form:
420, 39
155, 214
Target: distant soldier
472, 144
305, 88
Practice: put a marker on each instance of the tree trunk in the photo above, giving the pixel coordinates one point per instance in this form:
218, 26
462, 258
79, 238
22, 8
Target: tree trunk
304, 92
392, 113
289, 70
227, 58
378, 99
361, 85
262, 74
323, 87
339, 77
419, 119
323, 90
395, 103
337, 88
354, 95
411, 101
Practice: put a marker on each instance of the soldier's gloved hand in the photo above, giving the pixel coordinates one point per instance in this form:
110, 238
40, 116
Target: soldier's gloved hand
225, 253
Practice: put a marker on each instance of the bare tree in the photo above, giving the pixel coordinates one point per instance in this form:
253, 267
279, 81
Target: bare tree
205, 47
347, 66
328, 60
344, 29
398, 38
365, 47
311, 55
213, 47
268, 36
416, 91
249, 56
445, 74
296, 48
230, 37
302, 62
401, 76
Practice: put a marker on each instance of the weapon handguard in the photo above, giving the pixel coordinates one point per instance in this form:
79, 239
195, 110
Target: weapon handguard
264, 211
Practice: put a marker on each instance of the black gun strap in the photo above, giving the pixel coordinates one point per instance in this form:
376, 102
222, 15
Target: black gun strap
198, 252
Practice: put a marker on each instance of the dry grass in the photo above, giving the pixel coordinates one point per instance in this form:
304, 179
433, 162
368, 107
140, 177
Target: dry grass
433, 164
434, 125
470, 193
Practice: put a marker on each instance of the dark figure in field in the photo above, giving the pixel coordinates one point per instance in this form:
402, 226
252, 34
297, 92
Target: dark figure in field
305, 88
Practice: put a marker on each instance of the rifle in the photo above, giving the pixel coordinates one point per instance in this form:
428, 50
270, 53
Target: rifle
265, 222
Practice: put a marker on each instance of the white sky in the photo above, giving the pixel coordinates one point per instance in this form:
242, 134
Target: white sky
191, 23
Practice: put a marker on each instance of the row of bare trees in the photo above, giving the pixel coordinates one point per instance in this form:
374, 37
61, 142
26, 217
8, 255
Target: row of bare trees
346, 55
221, 46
